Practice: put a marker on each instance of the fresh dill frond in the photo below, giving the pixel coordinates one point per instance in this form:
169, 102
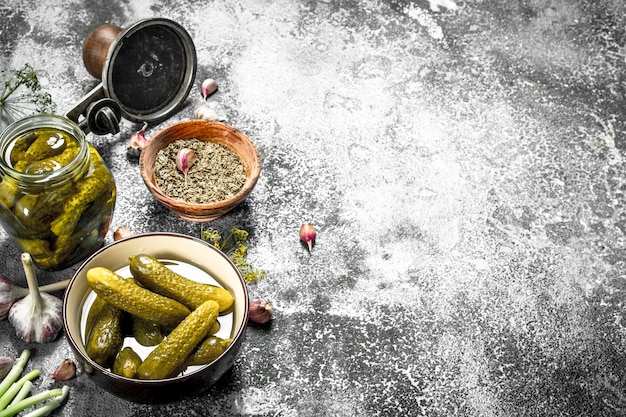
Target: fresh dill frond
235, 246
21, 95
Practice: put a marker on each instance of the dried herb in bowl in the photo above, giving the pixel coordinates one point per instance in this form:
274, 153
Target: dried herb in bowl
216, 175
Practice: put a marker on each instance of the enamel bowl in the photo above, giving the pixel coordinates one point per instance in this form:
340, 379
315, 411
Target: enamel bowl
217, 132
208, 265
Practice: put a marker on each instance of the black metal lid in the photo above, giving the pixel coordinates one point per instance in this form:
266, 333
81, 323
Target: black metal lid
149, 69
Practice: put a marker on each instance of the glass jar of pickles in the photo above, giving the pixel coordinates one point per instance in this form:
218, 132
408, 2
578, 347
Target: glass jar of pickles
56, 195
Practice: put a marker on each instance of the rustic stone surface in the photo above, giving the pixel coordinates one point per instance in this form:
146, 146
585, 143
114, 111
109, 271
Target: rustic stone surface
462, 163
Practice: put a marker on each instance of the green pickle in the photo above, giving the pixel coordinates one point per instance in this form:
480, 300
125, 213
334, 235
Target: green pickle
146, 332
56, 194
157, 277
47, 144
209, 350
85, 193
105, 336
169, 356
95, 309
20, 146
126, 363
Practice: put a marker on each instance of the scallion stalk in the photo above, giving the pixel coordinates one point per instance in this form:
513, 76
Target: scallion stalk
54, 403
23, 393
15, 372
9, 394
12, 410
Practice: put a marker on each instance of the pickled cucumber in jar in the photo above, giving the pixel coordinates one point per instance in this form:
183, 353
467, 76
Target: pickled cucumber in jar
56, 195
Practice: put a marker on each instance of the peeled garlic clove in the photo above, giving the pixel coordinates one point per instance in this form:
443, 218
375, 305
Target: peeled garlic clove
65, 371
137, 141
205, 112
260, 311
209, 86
185, 158
6, 364
308, 234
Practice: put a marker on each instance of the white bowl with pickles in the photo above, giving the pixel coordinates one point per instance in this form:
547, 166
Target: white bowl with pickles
156, 316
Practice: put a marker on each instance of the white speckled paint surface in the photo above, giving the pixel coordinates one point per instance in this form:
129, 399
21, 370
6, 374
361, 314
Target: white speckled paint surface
462, 163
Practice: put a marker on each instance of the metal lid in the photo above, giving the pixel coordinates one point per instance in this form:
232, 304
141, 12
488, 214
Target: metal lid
149, 69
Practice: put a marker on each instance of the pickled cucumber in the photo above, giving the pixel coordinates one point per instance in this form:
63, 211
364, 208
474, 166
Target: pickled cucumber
36, 211
38, 248
8, 192
146, 332
208, 351
94, 310
134, 299
20, 147
66, 150
87, 190
48, 143
105, 336
126, 363
169, 356
159, 278
42, 167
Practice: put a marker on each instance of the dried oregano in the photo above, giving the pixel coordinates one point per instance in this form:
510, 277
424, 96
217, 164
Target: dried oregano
217, 174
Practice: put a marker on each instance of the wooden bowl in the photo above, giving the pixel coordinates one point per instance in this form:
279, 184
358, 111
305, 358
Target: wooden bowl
216, 132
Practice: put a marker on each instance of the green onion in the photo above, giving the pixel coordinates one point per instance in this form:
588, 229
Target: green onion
15, 372
14, 392
30, 401
24, 391
6, 398
45, 409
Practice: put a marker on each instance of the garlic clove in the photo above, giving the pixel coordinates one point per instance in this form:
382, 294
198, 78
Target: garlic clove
209, 86
308, 234
137, 142
65, 371
121, 232
6, 364
205, 112
260, 311
185, 158
9, 293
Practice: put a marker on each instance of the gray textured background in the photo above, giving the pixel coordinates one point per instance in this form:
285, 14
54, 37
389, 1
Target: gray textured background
463, 164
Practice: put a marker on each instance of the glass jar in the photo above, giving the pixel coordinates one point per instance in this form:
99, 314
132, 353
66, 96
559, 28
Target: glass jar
56, 195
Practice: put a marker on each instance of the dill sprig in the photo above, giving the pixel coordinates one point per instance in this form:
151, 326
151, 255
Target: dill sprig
235, 246
21, 95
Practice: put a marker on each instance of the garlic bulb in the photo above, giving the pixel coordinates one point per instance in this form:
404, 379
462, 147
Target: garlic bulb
10, 293
38, 316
